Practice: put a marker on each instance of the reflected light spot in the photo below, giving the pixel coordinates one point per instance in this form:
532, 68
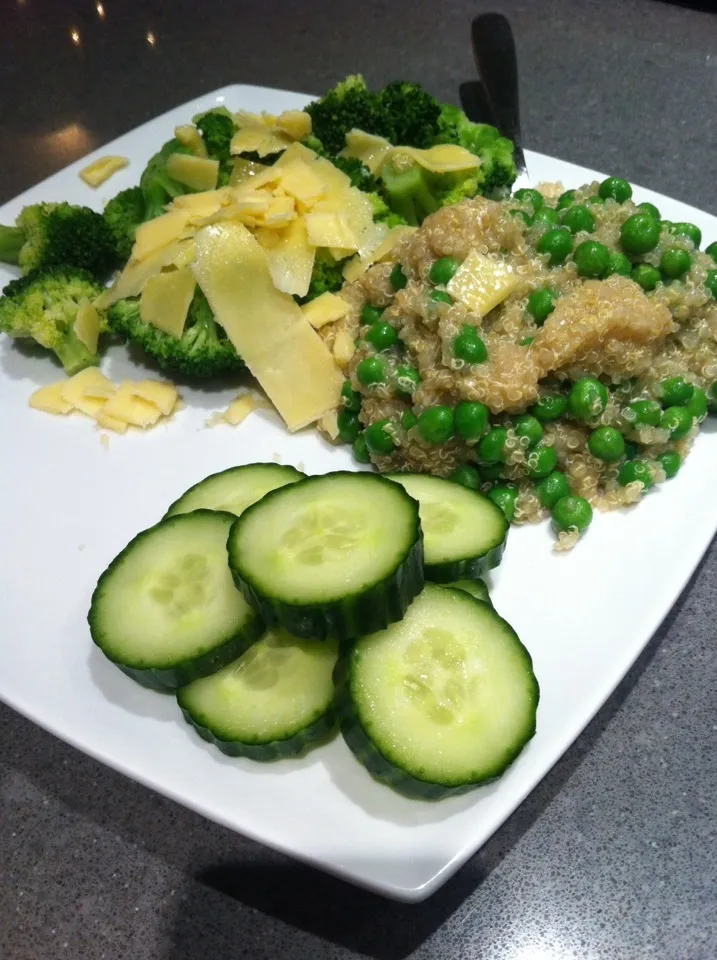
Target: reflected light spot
100, 10
68, 142
75, 36
150, 38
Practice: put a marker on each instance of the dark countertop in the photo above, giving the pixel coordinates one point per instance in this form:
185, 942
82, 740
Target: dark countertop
613, 855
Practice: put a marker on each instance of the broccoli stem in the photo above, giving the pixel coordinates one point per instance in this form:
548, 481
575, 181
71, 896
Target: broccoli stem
74, 355
11, 242
408, 193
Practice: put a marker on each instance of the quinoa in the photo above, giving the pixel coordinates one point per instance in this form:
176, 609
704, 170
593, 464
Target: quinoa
607, 329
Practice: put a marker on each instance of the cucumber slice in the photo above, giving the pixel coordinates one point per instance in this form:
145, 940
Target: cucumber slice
463, 532
440, 702
235, 489
166, 610
275, 701
332, 556
476, 588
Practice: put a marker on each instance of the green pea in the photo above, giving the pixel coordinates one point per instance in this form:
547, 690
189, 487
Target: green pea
491, 448
678, 420
557, 243
711, 251
696, 406
592, 258
370, 370
407, 379
442, 270
522, 215
571, 513
587, 399
540, 305
549, 407
675, 262
467, 476
398, 278
578, 219
606, 443
636, 471
639, 234
675, 391
408, 420
528, 427
360, 450
618, 264
370, 314
471, 420
650, 208
541, 462
545, 218
378, 440
535, 199
565, 199
647, 413
504, 497
350, 399
381, 335
349, 426
490, 472
595, 201
616, 189
670, 463
468, 346
711, 282
526, 341
435, 425
552, 488
646, 276
440, 296
690, 230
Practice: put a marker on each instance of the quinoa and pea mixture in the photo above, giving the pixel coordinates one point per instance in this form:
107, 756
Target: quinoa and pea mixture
583, 388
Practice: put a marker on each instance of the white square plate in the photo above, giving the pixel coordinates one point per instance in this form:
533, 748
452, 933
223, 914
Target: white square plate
68, 505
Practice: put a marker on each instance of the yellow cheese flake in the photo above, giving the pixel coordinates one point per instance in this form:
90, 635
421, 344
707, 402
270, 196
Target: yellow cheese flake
164, 396
330, 230
102, 169
239, 410
344, 348
204, 203
481, 283
87, 325
159, 233
110, 423
136, 274
280, 212
329, 424
368, 148
300, 182
189, 137
124, 404
354, 268
49, 399
199, 173
243, 170
87, 391
291, 259
295, 123
260, 140
165, 300
374, 151
324, 309
267, 328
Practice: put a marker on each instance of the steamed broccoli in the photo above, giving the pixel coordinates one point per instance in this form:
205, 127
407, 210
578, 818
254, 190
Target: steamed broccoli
123, 214
327, 276
217, 128
411, 114
413, 192
382, 213
203, 351
158, 188
42, 306
497, 172
349, 105
49, 234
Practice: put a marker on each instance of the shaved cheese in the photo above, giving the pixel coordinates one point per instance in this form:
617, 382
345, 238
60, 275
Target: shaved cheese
300, 182
162, 395
189, 137
267, 328
110, 423
280, 212
481, 283
372, 238
344, 348
243, 170
354, 268
202, 203
87, 325
329, 423
239, 410
165, 300
199, 173
357, 266
135, 275
443, 158
261, 140
324, 309
124, 404
185, 255
49, 399
158, 233
102, 169
291, 260
330, 230
87, 391
297, 151
295, 123
369, 149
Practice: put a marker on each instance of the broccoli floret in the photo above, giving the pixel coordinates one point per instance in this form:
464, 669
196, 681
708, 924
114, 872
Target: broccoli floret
217, 128
123, 214
42, 306
203, 351
382, 213
411, 114
157, 187
327, 276
349, 105
413, 192
49, 234
359, 175
498, 168
497, 172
